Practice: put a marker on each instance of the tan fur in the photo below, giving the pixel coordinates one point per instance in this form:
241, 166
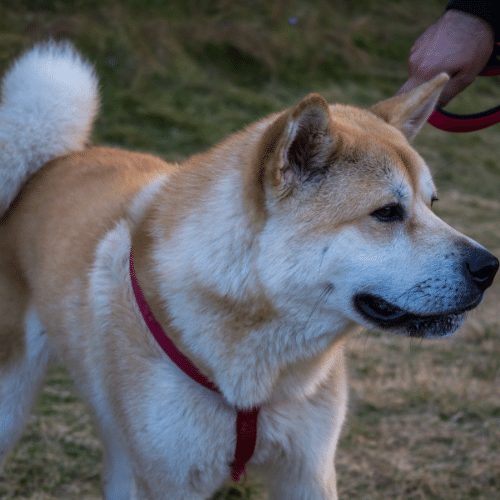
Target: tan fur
52, 230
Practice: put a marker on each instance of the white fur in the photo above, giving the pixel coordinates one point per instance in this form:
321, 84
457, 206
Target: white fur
227, 260
21, 382
171, 409
107, 274
49, 101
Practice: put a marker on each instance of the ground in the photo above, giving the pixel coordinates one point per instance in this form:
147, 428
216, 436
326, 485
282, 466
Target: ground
178, 76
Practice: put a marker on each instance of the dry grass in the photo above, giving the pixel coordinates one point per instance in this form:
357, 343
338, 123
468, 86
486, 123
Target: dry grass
177, 76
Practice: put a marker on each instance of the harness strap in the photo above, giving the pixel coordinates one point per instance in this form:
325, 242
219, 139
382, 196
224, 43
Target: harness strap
246, 420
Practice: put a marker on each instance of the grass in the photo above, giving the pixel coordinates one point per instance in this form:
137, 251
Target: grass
178, 76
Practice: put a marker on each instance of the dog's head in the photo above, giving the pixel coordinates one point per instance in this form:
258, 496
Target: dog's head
350, 230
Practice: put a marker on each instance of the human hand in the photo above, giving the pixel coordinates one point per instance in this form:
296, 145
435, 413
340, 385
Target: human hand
459, 44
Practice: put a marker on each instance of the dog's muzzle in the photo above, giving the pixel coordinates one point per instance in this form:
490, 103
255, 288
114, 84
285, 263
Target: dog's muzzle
479, 270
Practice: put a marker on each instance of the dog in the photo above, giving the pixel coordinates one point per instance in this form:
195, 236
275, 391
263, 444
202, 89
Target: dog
254, 261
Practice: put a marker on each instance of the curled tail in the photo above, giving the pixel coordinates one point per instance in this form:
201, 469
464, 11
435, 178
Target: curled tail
48, 104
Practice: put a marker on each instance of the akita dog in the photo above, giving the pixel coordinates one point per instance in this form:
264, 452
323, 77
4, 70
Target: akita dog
201, 308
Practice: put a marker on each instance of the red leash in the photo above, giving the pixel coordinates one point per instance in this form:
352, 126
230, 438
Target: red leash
452, 122
246, 420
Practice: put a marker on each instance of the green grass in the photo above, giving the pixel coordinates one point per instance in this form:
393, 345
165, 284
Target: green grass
177, 77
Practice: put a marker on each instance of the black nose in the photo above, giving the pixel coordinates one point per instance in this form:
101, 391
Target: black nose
482, 267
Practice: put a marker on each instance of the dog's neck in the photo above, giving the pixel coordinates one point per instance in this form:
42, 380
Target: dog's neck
195, 253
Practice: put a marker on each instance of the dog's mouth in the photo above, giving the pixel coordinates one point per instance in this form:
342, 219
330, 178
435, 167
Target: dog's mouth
389, 316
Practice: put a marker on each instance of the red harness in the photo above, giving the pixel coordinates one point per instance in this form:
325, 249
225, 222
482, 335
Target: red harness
246, 420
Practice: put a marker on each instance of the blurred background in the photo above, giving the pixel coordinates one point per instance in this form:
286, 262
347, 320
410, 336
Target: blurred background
177, 76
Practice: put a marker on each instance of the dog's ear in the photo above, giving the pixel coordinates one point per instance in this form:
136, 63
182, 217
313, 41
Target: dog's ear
409, 112
308, 141
300, 142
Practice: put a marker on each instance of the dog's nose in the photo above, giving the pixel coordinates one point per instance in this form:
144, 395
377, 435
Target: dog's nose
482, 267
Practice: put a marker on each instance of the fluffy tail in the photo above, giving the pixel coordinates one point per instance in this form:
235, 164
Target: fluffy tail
49, 101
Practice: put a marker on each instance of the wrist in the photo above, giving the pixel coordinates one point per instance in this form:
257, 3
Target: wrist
487, 11
469, 24
464, 16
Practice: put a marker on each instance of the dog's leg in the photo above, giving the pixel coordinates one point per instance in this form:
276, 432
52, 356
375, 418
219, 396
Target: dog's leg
306, 471
304, 466
23, 363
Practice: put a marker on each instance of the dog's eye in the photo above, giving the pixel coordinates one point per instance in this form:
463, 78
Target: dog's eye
389, 213
433, 200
